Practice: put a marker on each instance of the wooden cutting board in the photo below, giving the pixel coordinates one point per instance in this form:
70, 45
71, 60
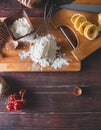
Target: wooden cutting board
11, 61
85, 47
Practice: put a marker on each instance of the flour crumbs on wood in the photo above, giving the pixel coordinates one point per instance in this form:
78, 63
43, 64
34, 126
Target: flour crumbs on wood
44, 52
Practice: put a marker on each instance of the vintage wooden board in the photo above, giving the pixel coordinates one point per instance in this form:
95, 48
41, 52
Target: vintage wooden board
11, 62
85, 47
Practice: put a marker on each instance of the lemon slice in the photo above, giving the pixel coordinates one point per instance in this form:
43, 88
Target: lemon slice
99, 21
73, 18
91, 32
79, 20
83, 26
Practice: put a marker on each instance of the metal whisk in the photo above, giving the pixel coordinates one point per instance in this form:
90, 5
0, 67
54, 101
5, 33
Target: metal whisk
43, 28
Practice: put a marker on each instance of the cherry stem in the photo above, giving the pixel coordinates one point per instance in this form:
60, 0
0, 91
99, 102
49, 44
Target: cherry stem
23, 93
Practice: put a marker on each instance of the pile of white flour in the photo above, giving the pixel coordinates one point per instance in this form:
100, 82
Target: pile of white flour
44, 52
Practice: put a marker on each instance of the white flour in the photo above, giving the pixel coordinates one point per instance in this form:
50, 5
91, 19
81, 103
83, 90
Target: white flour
20, 27
59, 62
44, 53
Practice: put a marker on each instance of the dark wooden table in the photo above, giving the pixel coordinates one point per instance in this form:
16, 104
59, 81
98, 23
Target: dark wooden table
52, 103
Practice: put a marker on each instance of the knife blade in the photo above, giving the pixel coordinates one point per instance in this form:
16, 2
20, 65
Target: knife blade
95, 8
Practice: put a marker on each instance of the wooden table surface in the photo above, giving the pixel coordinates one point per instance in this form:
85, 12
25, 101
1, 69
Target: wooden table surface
52, 103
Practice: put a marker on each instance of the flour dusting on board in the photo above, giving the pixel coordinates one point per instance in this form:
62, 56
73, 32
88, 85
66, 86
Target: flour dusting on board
44, 53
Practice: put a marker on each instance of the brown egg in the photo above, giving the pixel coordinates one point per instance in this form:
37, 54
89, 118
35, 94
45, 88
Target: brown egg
77, 91
3, 87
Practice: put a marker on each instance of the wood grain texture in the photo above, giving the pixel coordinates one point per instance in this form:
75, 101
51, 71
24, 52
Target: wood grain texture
52, 104
84, 46
13, 63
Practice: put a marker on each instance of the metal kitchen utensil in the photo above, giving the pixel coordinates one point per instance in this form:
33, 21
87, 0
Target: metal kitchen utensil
70, 36
44, 26
95, 8
3, 34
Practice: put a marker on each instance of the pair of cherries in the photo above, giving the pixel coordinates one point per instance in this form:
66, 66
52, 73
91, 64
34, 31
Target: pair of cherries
16, 101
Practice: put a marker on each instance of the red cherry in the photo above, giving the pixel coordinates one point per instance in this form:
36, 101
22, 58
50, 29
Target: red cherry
10, 106
18, 105
13, 97
18, 102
